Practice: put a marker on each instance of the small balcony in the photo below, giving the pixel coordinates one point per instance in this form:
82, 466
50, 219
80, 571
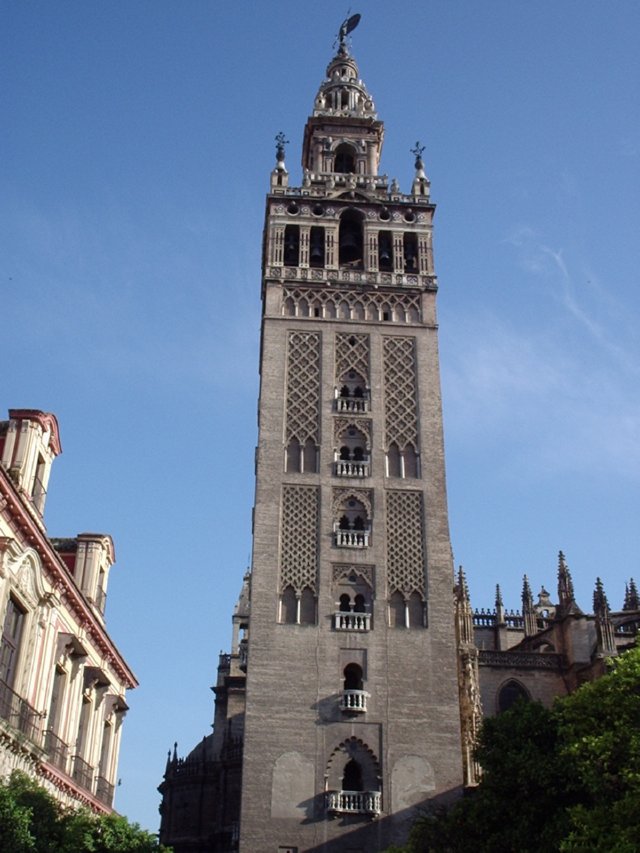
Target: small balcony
243, 654
352, 405
351, 538
348, 621
354, 802
354, 701
82, 773
57, 750
19, 714
352, 468
104, 791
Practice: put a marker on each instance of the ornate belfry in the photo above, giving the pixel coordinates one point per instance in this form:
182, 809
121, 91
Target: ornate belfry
352, 717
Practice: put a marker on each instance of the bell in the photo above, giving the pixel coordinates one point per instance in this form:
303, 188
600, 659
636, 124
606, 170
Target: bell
385, 256
316, 253
349, 248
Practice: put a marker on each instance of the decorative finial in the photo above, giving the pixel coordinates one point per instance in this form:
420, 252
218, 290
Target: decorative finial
281, 141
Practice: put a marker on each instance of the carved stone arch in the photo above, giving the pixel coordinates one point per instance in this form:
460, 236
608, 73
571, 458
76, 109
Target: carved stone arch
345, 572
363, 427
361, 495
353, 749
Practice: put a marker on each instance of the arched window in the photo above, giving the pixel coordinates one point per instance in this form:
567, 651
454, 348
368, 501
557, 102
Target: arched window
316, 246
352, 778
509, 694
289, 606
353, 677
397, 610
410, 462
291, 246
350, 240
310, 457
307, 607
293, 456
416, 611
345, 159
385, 251
359, 606
410, 252
394, 468
345, 603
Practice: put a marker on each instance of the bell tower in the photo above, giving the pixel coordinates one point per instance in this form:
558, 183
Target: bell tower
352, 714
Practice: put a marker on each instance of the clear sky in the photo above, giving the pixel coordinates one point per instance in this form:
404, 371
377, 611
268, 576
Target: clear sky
135, 154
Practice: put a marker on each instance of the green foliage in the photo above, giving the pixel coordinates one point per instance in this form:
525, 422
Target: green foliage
31, 821
566, 779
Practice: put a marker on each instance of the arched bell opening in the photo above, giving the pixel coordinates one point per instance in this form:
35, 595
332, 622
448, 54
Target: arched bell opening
291, 246
350, 240
344, 161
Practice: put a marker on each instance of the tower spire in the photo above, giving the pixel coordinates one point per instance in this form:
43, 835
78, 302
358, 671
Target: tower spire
604, 628
528, 611
566, 596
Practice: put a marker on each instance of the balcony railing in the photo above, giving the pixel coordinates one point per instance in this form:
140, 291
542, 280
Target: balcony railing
354, 802
100, 599
57, 750
104, 791
19, 714
347, 621
352, 538
348, 468
357, 405
82, 773
354, 701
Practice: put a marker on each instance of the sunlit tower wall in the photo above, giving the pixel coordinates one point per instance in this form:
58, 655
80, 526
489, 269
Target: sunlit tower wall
352, 713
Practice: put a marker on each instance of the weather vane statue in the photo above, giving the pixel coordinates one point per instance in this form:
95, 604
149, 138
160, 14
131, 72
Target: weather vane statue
348, 25
281, 141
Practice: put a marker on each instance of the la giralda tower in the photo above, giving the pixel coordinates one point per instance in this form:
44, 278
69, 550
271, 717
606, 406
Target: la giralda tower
352, 713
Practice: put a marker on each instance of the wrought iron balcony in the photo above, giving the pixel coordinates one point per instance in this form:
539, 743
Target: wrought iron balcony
348, 621
354, 802
100, 599
82, 773
57, 750
354, 701
351, 538
104, 791
19, 714
350, 468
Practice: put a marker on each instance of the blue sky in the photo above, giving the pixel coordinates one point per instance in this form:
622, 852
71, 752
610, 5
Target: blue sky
136, 149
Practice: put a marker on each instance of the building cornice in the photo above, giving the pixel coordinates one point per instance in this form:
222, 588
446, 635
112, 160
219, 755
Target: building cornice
60, 578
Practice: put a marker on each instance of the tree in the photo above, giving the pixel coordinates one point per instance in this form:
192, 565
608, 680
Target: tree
565, 779
600, 729
32, 821
515, 808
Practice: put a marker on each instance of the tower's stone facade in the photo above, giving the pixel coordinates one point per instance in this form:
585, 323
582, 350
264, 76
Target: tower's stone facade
359, 673
352, 715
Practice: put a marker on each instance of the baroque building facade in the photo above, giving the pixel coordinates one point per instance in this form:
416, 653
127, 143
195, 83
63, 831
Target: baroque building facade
358, 672
63, 682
